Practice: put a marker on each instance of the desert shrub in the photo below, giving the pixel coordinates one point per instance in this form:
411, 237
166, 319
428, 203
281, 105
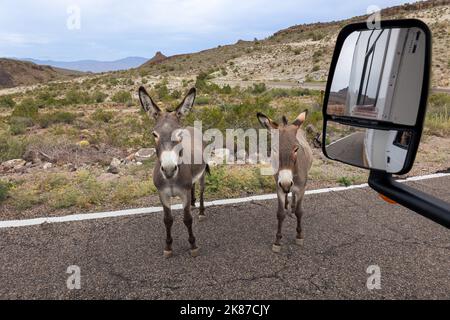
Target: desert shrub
47, 119
122, 97
84, 191
4, 190
258, 88
317, 55
7, 102
46, 98
28, 108
128, 189
99, 96
315, 68
77, 97
316, 35
226, 89
162, 91
19, 125
102, 115
200, 81
437, 119
11, 147
175, 94
202, 100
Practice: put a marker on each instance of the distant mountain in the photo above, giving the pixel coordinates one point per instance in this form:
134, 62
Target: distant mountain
93, 65
18, 73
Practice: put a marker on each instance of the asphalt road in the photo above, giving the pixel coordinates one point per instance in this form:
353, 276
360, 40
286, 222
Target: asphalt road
345, 233
349, 149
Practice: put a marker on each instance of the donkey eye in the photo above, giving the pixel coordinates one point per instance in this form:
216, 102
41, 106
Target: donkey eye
156, 135
295, 149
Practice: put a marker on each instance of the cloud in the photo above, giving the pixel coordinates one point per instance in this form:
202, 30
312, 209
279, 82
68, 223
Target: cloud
22, 39
141, 27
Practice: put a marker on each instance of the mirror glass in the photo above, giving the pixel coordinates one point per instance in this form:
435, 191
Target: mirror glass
379, 75
368, 148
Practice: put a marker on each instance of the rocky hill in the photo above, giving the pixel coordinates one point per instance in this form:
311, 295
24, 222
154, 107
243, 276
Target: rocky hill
21, 73
302, 52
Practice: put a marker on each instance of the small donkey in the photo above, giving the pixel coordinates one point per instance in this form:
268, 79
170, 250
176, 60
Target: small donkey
294, 159
176, 171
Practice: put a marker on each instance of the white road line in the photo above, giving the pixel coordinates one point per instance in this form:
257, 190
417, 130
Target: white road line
138, 211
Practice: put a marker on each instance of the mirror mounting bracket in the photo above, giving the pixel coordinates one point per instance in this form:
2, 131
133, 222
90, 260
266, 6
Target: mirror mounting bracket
420, 202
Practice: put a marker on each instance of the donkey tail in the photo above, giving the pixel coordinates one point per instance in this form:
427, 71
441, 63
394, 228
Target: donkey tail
207, 170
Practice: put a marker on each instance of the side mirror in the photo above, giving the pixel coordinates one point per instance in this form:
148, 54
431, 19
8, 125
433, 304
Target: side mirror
376, 96
375, 103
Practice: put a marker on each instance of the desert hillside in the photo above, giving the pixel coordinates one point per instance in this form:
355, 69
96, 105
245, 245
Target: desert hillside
15, 73
302, 52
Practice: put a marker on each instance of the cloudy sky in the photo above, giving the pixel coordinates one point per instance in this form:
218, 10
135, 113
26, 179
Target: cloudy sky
113, 29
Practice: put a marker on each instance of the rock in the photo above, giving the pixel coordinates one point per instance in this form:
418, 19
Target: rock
144, 154
317, 141
31, 156
14, 164
47, 165
114, 166
115, 162
130, 158
310, 129
106, 177
71, 167
114, 170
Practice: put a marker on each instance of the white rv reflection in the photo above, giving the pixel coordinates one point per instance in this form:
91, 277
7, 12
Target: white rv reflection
378, 75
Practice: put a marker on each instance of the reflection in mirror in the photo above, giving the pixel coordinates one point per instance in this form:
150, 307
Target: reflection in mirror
379, 75
368, 148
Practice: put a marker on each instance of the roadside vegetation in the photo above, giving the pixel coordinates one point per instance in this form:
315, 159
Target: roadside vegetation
79, 127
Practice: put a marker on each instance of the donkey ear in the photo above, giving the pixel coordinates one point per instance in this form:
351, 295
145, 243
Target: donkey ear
187, 103
301, 118
266, 121
147, 103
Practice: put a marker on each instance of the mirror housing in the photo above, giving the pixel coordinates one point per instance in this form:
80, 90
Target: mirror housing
378, 86
384, 142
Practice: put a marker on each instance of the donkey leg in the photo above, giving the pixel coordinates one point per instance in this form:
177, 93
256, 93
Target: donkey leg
187, 219
202, 215
281, 214
299, 214
193, 195
294, 202
168, 221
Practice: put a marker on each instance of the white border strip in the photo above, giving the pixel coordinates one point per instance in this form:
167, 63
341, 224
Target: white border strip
138, 211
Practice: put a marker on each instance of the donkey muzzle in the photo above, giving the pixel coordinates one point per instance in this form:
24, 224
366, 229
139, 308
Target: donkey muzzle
285, 180
169, 171
286, 187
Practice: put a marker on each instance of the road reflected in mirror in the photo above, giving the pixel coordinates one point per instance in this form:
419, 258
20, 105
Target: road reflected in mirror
368, 148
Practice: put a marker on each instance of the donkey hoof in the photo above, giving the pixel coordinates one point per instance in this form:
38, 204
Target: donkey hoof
167, 253
299, 242
276, 248
201, 217
195, 252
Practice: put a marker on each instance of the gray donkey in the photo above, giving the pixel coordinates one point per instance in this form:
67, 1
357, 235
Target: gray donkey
294, 159
179, 163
